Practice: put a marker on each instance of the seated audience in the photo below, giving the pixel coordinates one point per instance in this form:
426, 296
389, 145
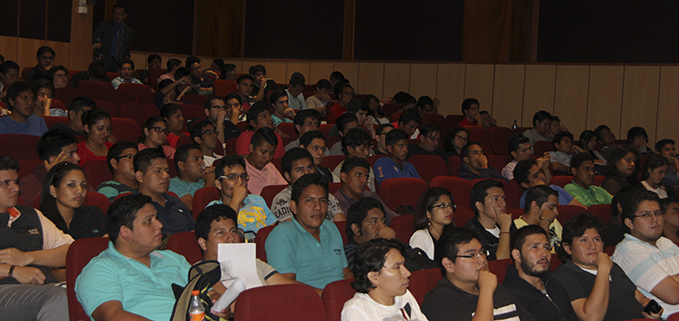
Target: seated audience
174, 118
491, 222
582, 188
487, 121
45, 57
561, 158
201, 83
344, 93
475, 163
597, 288
63, 195
314, 142
44, 92
365, 222
665, 147
468, 290
296, 163
345, 122
541, 209
321, 96
215, 67
78, 106
615, 227
382, 285
455, 141
381, 138
653, 174
434, 213
20, 98
172, 65
426, 105
519, 149
294, 93
470, 111
359, 108
58, 75
172, 91
224, 114
120, 161
97, 125
228, 72
193, 174
260, 85
529, 280
406, 100
621, 169
244, 86
606, 139
154, 135
153, 178
588, 143
117, 283
309, 248
304, 121
279, 107
430, 138
204, 134
638, 138
96, 71
258, 163
541, 122
556, 127
395, 165
258, 117
356, 143
670, 209
528, 174
126, 69
154, 61
354, 179
375, 114
409, 121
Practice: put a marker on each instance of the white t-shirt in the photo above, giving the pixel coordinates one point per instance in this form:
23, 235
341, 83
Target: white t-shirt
422, 239
363, 308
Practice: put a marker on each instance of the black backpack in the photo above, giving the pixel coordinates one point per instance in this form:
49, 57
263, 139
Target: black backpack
202, 277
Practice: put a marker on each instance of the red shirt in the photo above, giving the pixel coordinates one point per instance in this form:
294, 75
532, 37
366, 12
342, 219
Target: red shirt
335, 111
466, 122
86, 154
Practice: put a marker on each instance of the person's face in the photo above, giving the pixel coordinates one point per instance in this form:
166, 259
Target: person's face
317, 149
244, 88
466, 269
361, 115
214, 66
311, 208
348, 127
591, 144
486, 120
258, 76
217, 105
522, 153
43, 94
671, 216
231, 75
473, 111
494, 202
474, 160
226, 185
296, 90
535, 177
394, 278
124, 163
45, 60
551, 205
607, 137
410, 127
126, 71
310, 123
100, 131
399, 150
60, 79
555, 127
647, 223
374, 104
371, 225
72, 153
441, 212
585, 248
147, 231
157, 133
584, 175
194, 164
359, 151
261, 154
667, 150
460, 139
155, 64
9, 189
657, 175
23, 104
281, 104
208, 137
625, 165
196, 70
263, 120
10, 77
346, 96
542, 127
157, 176
381, 138
119, 15
300, 168
535, 255
72, 190
175, 123
356, 180
233, 104
566, 145
428, 109
431, 142
221, 231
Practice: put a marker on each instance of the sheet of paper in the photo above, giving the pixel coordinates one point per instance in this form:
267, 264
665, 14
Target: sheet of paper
238, 260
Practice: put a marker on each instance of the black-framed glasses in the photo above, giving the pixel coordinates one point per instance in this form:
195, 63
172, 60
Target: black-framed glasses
444, 206
159, 130
460, 137
234, 177
483, 252
128, 156
210, 132
647, 215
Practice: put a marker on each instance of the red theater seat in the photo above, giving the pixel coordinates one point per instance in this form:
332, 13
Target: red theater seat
395, 192
79, 254
287, 302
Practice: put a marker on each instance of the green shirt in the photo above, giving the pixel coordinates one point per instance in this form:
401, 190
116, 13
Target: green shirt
588, 197
182, 188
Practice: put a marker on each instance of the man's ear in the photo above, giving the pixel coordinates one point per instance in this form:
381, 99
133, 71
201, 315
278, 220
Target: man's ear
513, 153
566, 247
124, 233
480, 207
202, 243
516, 255
343, 177
389, 148
51, 159
218, 183
181, 165
207, 112
524, 185
373, 277
114, 163
251, 148
286, 175
534, 207
448, 265
356, 229
629, 224
197, 140
466, 160
299, 128
86, 128
139, 176
293, 207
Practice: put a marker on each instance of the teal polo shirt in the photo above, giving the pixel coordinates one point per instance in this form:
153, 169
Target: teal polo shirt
183, 188
291, 249
588, 197
145, 291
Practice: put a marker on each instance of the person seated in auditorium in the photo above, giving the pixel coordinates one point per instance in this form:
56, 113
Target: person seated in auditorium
582, 188
468, 290
20, 98
193, 174
228, 72
154, 135
434, 214
638, 138
58, 75
335, 77
375, 114
258, 163
78, 106
356, 143
456, 139
169, 93
487, 121
126, 69
395, 165
606, 139
54, 147
597, 287
359, 108
314, 142
172, 65
152, 173
96, 71
381, 138
649, 259
470, 111
430, 139
345, 93
321, 96
174, 117
345, 123
354, 177
561, 158
409, 121
244, 86
527, 174
294, 93
45, 57
231, 178
365, 222
381, 283
258, 116
426, 105
224, 114
115, 285
670, 209
541, 209
44, 92
97, 125
9, 74
621, 169
665, 147
154, 61
260, 85
555, 127
615, 227
215, 67
120, 161
280, 113
541, 122
32, 246
202, 84
475, 163
309, 248
304, 121
204, 135
653, 173
519, 148
296, 163
491, 221
529, 280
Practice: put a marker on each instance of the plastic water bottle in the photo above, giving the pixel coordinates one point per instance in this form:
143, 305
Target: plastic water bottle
515, 125
196, 311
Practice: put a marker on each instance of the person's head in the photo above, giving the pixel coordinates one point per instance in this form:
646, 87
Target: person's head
65, 187
365, 218
541, 198
58, 75
643, 216
155, 132
217, 64
152, 171
296, 163
132, 221
335, 76
461, 255
430, 136
76, 109
154, 61
379, 267
356, 142
215, 225
173, 64
257, 72
456, 139
604, 135
486, 119
344, 92
358, 107
307, 120
670, 209
622, 161
45, 56
205, 134
309, 201
665, 147
530, 251
541, 122
262, 147
381, 135
126, 68
620, 200
229, 172
397, 145
279, 101
244, 85
563, 142
97, 123
163, 84
582, 239
637, 137
470, 107
314, 142
21, 98
97, 71
259, 116
528, 174
409, 120
9, 73
119, 13
519, 147
120, 158
435, 207
323, 88
555, 126
345, 122
188, 160
215, 104
55, 142
655, 168
425, 104
195, 69
487, 198
43, 90
354, 175
180, 73
296, 86
582, 168
228, 72
408, 102
473, 155
588, 140
174, 117
9, 183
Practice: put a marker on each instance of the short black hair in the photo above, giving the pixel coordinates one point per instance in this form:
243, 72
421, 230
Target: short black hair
210, 98
449, 244
296, 81
305, 181
79, 102
622, 197
665, 203
42, 83
197, 129
541, 116
54, 70
264, 134
424, 101
144, 158
51, 143
539, 194
522, 170
467, 103
632, 204
213, 213
515, 141
181, 73
518, 239
634, 132
219, 62
338, 89
465, 149
293, 155
336, 75
303, 114
230, 96
354, 138
344, 120
173, 62
560, 136
8, 164
430, 128
576, 227
309, 137
380, 128
351, 162
118, 5
323, 84
153, 57
190, 60
357, 104
480, 191
276, 95
16, 89
370, 257
394, 136
228, 161
116, 151
169, 110
8, 65
578, 159
125, 61
123, 212
410, 115
97, 70
358, 211
245, 77
661, 144
182, 153
254, 111
257, 68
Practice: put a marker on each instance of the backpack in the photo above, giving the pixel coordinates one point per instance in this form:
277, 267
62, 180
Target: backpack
202, 277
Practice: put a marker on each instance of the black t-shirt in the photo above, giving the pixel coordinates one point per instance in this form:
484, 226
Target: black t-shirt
68, 129
88, 221
487, 239
418, 150
230, 130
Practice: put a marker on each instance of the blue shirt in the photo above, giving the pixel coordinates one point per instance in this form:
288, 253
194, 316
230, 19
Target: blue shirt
386, 168
143, 290
291, 249
182, 188
564, 197
34, 125
254, 214
175, 216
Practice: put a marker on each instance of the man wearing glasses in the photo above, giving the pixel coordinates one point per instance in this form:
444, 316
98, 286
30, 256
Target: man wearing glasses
231, 178
119, 159
344, 95
205, 135
468, 289
224, 114
45, 57
126, 69
650, 260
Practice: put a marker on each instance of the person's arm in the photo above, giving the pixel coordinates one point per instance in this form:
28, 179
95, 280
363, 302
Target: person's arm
262, 89
23, 274
339, 217
113, 310
667, 289
346, 272
560, 167
188, 201
576, 203
172, 86
484, 306
595, 305
546, 219
504, 220
641, 298
55, 257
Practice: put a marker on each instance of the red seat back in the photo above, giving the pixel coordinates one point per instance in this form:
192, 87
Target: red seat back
288, 129
325, 129
331, 161
498, 162
499, 138
480, 135
223, 87
342, 227
185, 243
298, 302
136, 93
566, 212
97, 172
269, 192
429, 166
26, 166
454, 120
79, 254
56, 103
154, 74
403, 225
67, 94
94, 89
231, 146
202, 197
125, 129
436, 119
193, 110
197, 100
513, 194
108, 106
389, 109
561, 180
499, 268
423, 281
602, 211
51, 120
453, 164
98, 200
402, 191
19, 146
260, 241
139, 112
333, 297
462, 216
374, 158
459, 187
543, 146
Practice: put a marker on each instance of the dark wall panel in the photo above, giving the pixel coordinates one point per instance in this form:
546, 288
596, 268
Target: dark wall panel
408, 30
32, 18
8, 18
165, 26
294, 29
625, 31
59, 21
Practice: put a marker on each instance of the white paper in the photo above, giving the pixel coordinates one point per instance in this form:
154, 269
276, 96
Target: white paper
238, 260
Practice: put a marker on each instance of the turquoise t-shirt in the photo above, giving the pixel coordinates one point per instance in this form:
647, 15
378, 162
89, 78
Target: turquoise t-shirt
253, 215
182, 188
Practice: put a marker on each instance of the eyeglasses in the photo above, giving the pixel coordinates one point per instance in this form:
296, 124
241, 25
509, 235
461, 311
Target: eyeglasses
61, 75
47, 57
210, 132
128, 156
647, 215
159, 129
483, 253
126, 68
234, 177
215, 107
444, 206
460, 137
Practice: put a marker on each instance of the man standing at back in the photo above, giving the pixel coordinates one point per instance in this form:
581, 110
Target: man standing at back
114, 39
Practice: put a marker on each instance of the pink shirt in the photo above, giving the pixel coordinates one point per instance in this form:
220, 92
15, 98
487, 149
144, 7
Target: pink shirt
243, 144
168, 150
269, 175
